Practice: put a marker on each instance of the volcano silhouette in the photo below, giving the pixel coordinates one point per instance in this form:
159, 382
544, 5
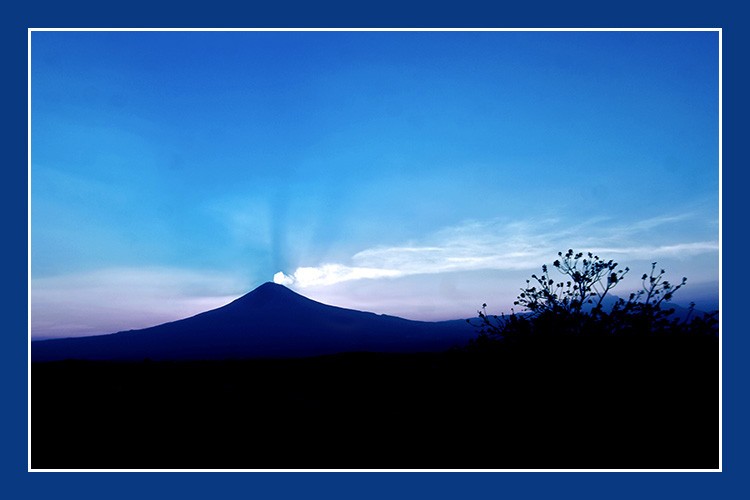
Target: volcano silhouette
270, 321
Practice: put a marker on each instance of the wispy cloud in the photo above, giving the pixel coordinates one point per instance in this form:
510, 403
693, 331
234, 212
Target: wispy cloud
654, 222
501, 245
329, 274
648, 252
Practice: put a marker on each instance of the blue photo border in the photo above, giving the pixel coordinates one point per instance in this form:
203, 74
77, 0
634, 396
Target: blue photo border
19, 482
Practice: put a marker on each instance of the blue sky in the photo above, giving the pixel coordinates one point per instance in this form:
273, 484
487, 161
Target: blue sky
418, 174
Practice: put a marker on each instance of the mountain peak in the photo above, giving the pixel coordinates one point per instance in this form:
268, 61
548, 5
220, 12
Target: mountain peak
269, 285
269, 321
269, 293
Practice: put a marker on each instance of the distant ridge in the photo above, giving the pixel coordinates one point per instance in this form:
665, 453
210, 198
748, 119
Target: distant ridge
270, 321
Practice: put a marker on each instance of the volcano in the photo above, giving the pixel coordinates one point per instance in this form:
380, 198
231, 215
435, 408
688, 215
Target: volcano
271, 321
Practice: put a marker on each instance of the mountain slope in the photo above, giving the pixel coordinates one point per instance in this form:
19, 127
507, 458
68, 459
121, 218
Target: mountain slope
270, 321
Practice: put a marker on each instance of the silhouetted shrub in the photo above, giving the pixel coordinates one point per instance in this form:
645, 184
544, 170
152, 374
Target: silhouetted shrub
575, 306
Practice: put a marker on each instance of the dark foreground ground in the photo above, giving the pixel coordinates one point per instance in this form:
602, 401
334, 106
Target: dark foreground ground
616, 403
